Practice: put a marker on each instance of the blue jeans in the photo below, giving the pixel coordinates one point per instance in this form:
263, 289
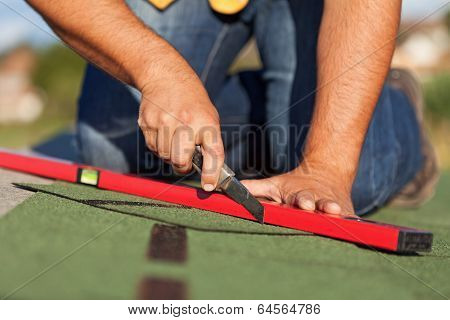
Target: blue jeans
108, 136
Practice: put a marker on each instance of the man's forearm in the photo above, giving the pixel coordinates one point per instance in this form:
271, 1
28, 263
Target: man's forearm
175, 113
109, 35
355, 48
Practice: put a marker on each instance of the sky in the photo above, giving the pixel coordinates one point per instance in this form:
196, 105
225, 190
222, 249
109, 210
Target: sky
19, 23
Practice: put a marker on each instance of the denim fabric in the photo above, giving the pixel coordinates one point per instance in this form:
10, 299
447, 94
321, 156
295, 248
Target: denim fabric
209, 42
108, 135
391, 154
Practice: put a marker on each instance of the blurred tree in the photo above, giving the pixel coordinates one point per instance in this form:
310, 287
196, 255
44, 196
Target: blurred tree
447, 20
58, 74
437, 97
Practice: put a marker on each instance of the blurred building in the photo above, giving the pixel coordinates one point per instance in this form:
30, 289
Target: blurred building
20, 101
424, 48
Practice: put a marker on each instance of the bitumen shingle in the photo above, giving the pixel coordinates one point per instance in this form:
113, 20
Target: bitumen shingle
78, 242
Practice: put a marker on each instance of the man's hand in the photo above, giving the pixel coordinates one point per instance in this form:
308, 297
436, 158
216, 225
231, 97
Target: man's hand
353, 60
312, 188
175, 115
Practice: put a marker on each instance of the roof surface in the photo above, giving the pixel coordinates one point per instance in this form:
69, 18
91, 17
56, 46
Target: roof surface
76, 242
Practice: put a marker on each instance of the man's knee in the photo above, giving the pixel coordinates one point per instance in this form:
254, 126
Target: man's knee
375, 181
391, 153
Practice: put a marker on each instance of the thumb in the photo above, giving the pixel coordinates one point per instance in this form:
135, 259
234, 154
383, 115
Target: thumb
265, 188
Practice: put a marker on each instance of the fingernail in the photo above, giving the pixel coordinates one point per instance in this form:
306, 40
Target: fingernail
309, 205
208, 187
334, 207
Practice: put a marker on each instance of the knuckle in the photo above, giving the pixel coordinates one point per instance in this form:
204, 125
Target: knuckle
215, 117
142, 123
185, 116
164, 155
207, 126
145, 122
211, 120
180, 162
152, 148
150, 145
180, 171
216, 150
307, 194
165, 119
209, 178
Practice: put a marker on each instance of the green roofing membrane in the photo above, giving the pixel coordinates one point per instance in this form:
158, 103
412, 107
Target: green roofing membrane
77, 242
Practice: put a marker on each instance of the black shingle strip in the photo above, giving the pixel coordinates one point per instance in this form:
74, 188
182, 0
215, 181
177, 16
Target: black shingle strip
95, 202
168, 243
136, 214
162, 289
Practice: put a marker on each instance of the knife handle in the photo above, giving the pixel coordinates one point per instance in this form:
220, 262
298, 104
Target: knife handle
197, 162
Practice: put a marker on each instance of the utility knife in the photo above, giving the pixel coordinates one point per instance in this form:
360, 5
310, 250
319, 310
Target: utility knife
231, 186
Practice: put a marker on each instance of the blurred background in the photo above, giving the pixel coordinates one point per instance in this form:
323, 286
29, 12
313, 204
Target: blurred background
40, 78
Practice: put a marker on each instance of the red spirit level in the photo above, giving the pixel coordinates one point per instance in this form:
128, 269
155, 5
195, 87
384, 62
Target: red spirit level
359, 231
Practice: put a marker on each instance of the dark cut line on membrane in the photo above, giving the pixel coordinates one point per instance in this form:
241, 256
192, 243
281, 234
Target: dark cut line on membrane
168, 243
293, 234
151, 288
94, 202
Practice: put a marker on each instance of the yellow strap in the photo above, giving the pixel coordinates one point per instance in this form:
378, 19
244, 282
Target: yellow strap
220, 6
161, 4
228, 6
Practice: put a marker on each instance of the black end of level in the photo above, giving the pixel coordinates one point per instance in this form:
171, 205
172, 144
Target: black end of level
414, 241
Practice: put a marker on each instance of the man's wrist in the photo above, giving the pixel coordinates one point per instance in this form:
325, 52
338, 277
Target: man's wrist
333, 153
332, 168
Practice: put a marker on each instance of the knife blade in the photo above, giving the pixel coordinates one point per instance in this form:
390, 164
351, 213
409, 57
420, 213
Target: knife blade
231, 186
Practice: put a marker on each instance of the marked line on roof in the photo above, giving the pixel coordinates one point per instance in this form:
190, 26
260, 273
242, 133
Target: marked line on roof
168, 243
162, 289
